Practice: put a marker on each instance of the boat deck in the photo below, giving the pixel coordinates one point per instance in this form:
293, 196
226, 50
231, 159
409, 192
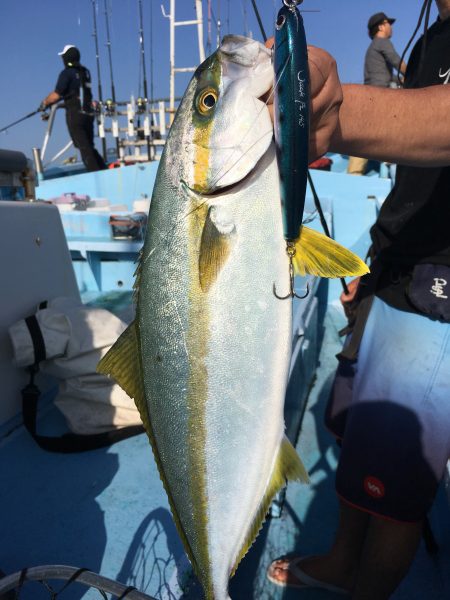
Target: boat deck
106, 510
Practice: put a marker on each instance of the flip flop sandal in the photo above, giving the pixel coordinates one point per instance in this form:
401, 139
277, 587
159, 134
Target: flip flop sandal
305, 580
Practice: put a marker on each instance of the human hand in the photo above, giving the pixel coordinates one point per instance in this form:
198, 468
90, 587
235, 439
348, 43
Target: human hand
326, 98
348, 300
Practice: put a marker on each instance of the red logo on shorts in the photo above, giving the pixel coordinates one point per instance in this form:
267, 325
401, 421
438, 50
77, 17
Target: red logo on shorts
374, 487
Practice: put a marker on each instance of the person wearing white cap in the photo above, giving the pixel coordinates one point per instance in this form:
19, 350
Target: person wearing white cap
74, 87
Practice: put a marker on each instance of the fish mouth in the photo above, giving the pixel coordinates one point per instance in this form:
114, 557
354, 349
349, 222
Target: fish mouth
218, 191
232, 187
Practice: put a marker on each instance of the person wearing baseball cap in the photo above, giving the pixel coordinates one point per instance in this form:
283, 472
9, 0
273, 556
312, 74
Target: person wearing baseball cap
74, 87
381, 57
380, 62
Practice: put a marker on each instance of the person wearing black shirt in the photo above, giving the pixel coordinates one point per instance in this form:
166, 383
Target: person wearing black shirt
389, 405
74, 87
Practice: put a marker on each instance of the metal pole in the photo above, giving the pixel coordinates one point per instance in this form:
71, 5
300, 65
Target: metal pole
100, 94
48, 133
199, 13
38, 164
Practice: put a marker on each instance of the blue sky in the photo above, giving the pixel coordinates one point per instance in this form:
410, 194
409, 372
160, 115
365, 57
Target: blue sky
32, 33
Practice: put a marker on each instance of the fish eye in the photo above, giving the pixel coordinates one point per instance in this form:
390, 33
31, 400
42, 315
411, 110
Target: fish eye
280, 22
207, 100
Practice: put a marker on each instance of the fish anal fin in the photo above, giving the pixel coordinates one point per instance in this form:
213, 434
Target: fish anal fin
317, 254
288, 467
122, 362
215, 248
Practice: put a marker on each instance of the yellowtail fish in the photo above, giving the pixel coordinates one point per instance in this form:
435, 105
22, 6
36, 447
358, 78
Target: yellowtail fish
207, 356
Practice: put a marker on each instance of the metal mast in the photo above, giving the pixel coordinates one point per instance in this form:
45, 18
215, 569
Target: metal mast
173, 24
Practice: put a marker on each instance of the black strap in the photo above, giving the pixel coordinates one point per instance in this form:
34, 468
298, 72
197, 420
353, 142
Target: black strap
70, 442
37, 339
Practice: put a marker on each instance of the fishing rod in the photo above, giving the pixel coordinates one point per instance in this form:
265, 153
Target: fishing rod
35, 112
141, 42
113, 89
313, 190
108, 45
97, 56
218, 23
208, 41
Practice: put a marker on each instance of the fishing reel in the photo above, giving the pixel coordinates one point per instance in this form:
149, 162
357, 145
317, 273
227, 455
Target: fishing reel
110, 107
141, 105
96, 107
43, 109
292, 3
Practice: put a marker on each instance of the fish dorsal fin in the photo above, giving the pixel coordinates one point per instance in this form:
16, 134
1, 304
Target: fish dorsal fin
317, 254
288, 467
214, 250
122, 362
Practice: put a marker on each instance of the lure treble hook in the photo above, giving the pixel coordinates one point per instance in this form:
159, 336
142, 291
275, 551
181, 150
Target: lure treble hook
290, 250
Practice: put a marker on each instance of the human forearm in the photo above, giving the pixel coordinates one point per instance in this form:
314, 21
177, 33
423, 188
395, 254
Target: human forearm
402, 126
51, 99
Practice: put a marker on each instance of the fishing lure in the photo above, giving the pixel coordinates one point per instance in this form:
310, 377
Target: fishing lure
291, 103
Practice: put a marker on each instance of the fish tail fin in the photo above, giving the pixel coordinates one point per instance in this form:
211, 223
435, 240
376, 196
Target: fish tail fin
317, 254
288, 467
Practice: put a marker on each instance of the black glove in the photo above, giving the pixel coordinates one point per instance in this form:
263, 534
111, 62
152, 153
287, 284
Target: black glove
42, 107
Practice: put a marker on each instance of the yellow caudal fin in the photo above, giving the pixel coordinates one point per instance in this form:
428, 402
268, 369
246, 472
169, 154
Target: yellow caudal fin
122, 362
317, 254
288, 467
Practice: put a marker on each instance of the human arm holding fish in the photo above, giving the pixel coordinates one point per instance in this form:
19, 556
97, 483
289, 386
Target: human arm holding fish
409, 126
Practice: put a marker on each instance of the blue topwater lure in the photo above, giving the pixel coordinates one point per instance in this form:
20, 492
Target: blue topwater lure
291, 103
309, 252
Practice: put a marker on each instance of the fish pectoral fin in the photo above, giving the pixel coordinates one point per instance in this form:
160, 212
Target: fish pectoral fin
317, 254
215, 248
287, 467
